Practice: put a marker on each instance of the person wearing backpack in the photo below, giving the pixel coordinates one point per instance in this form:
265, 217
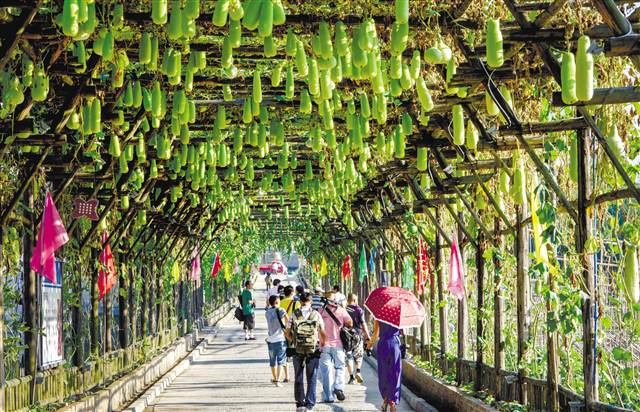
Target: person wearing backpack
360, 326
276, 320
248, 306
305, 330
332, 361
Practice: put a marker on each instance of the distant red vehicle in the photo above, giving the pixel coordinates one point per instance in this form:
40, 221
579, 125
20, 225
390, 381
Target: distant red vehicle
275, 267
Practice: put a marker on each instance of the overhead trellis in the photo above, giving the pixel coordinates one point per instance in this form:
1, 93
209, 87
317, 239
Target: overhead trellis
330, 128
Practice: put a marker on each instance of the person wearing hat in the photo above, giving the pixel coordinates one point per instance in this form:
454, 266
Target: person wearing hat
317, 298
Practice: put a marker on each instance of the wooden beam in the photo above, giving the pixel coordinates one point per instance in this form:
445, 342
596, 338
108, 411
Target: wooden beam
609, 95
9, 45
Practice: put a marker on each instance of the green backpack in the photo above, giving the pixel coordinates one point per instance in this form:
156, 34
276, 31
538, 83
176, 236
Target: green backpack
305, 332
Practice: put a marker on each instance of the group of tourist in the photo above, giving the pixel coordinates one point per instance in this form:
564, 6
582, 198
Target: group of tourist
322, 333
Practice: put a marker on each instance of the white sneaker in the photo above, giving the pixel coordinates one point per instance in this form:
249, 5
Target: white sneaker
301, 409
278, 384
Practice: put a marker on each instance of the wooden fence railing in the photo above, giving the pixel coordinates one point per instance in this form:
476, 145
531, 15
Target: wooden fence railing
60, 384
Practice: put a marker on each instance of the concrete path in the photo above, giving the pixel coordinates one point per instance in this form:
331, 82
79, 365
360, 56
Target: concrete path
233, 375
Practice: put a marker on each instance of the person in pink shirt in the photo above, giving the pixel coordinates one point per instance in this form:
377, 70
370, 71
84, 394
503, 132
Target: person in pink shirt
332, 359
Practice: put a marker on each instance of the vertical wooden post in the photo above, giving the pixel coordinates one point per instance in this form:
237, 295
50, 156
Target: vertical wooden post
522, 302
442, 311
462, 315
480, 309
30, 291
432, 315
498, 310
583, 233
151, 298
123, 303
160, 312
93, 320
144, 309
106, 306
2, 372
133, 312
553, 374
76, 316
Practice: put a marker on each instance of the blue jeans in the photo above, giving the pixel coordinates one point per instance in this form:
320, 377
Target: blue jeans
310, 363
332, 363
277, 353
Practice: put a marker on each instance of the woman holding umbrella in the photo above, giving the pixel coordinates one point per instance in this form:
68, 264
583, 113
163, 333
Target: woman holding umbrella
394, 309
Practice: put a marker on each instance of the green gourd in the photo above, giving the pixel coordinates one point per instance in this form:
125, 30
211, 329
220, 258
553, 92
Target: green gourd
568, 78
153, 62
192, 9
416, 65
279, 15
503, 183
220, 13
491, 106
252, 14
257, 87
247, 116
433, 55
305, 102
399, 38
313, 78
573, 159
235, 33
421, 163
124, 202
399, 143
141, 150
270, 48
407, 124
365, 109
153, 169
117, 16
226, 58
174, 31
289, 83
236, 10
301, 60
159, 12
114, 146
584, 70
495, 52
291, 46
458, 125
144, 51
96, 115
341, 39
265, 22
70, 23
108, 47
616, 144
40, 84
471, 136
402, 11
424, 95
326, 47
631, 278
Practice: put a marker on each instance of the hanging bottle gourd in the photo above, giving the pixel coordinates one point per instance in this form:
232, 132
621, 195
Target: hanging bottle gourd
495, 52
519, 189
458, 125
573, 158
114, 146
402, 11
424, 95
159, 12
265, 21
584, 70
503, 184
421, 162
174, 31
471, 136
568, 78
631, 277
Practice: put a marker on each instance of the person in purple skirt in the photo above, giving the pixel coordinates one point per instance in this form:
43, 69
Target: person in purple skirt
389, 357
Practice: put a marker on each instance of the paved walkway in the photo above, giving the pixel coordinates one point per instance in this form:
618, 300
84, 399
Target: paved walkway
234, 375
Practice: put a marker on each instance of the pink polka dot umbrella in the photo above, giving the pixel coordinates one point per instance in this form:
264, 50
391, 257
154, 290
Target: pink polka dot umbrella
396, 307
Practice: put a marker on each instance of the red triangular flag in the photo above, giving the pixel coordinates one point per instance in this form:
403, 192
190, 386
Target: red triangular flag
346, 267
107, 272
423, 266
51, 237
216, 266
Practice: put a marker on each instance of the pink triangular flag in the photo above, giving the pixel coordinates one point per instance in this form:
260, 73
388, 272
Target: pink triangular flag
456, 271
51, 236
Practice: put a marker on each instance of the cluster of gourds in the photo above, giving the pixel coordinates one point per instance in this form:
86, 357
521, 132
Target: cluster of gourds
577, 73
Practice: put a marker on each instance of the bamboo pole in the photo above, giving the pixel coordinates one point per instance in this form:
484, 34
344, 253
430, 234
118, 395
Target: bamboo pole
123, 303
480, 338
522, 303
462, 310
442, 308
498, 311
583, 232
